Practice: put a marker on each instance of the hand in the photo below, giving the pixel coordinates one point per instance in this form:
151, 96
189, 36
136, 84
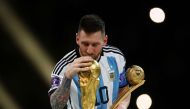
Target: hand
125, 103
78, 65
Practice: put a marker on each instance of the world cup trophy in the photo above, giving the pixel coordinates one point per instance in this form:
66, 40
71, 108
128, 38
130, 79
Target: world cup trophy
88, 85
135, 76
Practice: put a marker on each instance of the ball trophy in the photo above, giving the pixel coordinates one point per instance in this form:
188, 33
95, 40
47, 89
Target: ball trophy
135, 76
88, 85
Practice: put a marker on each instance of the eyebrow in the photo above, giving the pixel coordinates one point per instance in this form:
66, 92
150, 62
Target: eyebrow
89, 42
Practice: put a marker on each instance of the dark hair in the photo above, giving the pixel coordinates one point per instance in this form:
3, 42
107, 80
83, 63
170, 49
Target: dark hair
91, 23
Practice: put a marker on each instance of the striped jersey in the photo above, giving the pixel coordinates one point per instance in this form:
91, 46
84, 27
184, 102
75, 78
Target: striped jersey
112, 77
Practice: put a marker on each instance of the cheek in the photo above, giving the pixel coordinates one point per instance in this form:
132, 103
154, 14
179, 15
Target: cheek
81, 46
83, 49
98, 50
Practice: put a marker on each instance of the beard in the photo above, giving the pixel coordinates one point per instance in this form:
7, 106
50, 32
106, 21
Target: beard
94, 56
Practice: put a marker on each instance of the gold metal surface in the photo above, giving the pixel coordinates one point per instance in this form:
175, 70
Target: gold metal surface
135, 76
88, 85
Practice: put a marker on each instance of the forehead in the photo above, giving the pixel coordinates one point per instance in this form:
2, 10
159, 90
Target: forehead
90, 36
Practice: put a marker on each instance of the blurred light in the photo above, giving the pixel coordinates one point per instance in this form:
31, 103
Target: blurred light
144, 101
6, 101
157, 15
26, 41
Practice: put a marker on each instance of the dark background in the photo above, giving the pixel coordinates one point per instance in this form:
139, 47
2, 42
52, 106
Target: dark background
160, 49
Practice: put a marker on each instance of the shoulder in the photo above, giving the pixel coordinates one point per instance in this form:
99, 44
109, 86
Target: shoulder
69, 55
68, 58
109, 49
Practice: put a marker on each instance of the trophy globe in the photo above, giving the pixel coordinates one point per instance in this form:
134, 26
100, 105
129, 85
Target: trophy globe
135, 75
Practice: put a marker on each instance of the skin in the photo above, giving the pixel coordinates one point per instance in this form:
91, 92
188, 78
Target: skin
90, 46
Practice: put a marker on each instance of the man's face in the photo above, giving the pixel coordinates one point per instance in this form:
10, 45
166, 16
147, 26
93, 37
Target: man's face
90, 44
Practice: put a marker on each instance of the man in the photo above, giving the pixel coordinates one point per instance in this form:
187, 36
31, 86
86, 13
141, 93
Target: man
92, 45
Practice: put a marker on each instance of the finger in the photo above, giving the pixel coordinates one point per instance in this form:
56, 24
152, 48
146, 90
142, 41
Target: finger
84, 59
87, 64
82, 65
83, 69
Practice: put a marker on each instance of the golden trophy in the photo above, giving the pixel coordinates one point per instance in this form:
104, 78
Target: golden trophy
135, 76
88, 85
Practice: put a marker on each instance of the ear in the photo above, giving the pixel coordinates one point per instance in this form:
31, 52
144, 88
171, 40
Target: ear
105, 40
77, 38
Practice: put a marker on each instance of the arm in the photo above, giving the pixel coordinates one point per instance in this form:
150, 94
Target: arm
124, 85
126, 101
60, 97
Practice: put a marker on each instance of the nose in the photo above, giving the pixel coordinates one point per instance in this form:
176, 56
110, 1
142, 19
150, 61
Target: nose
90, 50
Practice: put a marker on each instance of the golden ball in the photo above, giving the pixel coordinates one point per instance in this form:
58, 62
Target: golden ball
135, 74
